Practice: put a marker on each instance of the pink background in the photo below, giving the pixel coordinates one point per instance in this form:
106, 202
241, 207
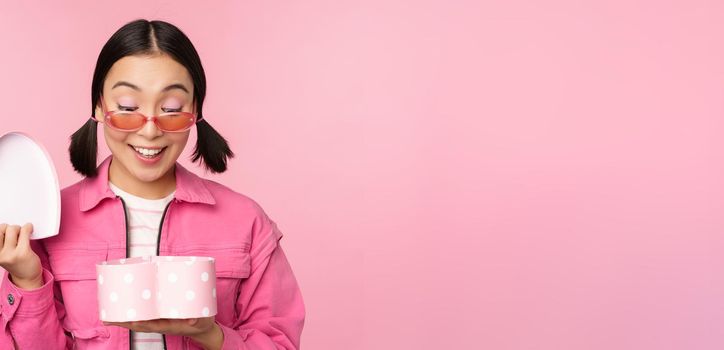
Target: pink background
448, 175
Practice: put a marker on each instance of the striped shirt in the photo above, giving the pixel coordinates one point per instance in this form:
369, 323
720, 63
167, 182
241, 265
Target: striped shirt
144, 218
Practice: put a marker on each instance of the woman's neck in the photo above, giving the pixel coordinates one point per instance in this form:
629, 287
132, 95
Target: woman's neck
157, 189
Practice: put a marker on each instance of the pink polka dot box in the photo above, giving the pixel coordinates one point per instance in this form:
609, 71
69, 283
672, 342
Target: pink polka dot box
152, 287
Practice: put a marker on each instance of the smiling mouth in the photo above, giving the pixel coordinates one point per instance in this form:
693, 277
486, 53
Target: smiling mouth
148, 153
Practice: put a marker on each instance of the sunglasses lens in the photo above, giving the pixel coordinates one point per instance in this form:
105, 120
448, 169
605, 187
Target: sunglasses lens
175, 121
126, 121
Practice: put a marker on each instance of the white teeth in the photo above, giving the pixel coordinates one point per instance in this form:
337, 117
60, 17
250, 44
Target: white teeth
148, 152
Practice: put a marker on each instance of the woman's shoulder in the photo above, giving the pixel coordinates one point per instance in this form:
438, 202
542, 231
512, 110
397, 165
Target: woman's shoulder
71, 192
244, 208
226, 196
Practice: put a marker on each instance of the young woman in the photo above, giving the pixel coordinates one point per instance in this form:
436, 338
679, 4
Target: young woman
147, 92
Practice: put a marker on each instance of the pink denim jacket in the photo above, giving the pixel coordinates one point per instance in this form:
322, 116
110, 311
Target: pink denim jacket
260, 305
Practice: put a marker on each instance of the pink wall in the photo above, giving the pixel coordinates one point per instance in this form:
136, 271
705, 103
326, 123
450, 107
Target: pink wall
448, 175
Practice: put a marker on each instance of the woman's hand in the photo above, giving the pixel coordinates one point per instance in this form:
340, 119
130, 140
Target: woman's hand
17, 258
203, 330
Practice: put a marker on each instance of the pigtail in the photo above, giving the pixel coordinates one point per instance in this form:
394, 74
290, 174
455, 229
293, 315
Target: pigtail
211, 147
83, 149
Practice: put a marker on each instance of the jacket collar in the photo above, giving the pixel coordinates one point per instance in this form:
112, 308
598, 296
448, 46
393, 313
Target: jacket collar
189, 187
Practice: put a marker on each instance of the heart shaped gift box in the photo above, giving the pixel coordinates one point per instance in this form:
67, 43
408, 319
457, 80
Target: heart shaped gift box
152, 287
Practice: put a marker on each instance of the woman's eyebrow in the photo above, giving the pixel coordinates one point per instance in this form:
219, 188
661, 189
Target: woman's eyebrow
134, 87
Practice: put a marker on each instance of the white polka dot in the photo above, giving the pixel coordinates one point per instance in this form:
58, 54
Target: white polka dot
205, 312
205, 276
173, 313
172, 277
213, 292
146, 294
191, 261
103, 314
100, 279
169, 258
128, 278
190, 295
123, 261
114, 297
131, 313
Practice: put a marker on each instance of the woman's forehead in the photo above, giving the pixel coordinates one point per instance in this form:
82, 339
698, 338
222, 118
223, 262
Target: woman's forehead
154, 74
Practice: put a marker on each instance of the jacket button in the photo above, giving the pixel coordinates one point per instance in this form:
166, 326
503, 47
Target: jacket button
11, 299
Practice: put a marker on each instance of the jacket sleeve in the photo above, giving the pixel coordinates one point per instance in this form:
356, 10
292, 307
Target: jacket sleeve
31, 318
271, 304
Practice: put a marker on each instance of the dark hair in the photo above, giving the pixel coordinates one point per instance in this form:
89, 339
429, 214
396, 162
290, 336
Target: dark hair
143, 37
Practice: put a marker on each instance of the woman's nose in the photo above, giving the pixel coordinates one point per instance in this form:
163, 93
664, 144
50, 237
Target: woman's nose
150, 130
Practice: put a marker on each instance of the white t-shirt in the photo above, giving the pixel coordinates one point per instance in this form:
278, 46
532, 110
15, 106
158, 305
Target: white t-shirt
144, 218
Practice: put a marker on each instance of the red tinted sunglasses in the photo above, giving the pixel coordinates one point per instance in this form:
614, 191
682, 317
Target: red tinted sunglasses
129, 121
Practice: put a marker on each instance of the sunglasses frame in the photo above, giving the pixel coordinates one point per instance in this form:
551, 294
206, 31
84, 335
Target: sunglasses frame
154, 119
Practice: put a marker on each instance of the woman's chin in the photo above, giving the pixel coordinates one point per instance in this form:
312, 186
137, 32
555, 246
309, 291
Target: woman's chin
148, 175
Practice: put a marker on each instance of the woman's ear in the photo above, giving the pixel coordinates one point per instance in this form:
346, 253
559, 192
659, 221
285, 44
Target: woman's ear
99, 110
99, 113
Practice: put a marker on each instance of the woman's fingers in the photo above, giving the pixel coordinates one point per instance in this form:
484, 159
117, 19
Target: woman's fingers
17, 257
24, 238
11, 237
3, 227
185, 327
